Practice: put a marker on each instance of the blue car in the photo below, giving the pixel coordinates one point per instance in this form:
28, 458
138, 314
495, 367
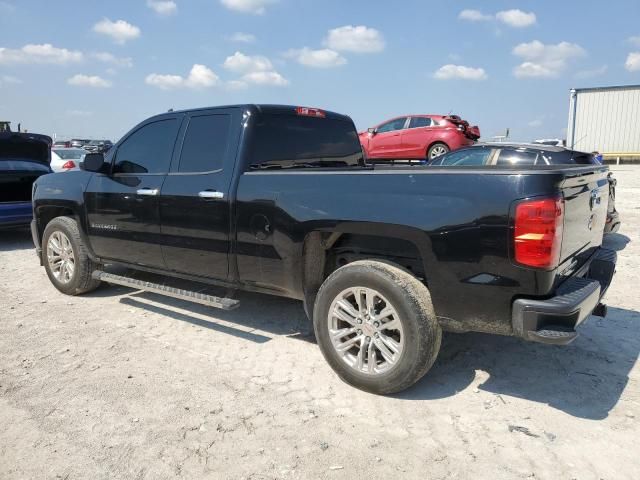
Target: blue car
23, 158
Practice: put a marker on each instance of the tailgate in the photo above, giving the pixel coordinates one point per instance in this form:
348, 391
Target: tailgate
586, 196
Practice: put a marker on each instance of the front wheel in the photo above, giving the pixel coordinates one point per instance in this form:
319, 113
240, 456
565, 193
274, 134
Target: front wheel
376, 326
66, 260
436, 150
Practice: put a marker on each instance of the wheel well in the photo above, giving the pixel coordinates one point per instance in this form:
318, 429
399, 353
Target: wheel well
435, 143
352, 247
323, 253
46, 214
326, 252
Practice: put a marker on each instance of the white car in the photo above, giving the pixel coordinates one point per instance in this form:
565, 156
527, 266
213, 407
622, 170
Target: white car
66, 159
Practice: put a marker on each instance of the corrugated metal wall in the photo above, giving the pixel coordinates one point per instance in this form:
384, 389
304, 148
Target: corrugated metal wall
606, 120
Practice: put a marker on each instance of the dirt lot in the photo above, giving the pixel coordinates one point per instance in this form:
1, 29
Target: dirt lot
123, 384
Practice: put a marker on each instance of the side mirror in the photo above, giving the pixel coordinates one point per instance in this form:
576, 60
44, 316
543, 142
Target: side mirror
371, 130
93, 162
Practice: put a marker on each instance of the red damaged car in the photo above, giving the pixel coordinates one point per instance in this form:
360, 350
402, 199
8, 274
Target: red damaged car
422, 137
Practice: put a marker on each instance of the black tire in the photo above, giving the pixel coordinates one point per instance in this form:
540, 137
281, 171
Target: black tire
439, 148
81, 280
410, 298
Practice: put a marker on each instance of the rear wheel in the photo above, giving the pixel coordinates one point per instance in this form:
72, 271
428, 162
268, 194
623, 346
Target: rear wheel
66, 260
436, 150
376, 326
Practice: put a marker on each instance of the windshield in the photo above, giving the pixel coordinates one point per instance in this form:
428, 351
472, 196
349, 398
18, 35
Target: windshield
70, 153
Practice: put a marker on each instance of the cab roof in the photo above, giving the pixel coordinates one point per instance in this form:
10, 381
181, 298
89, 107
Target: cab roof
273, 109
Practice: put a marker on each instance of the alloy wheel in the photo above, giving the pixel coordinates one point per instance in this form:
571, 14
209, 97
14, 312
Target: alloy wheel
60, 256
365, 330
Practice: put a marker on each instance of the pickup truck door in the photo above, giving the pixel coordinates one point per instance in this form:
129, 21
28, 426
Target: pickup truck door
122, 206
386, 142
195, 198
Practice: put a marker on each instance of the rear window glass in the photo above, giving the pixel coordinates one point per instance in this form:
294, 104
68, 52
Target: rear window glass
70, 154
514, 157
288, 141
570, 157
468, 157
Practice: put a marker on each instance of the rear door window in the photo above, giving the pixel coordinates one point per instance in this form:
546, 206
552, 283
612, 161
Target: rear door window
205, 143
148, 149
419, 122
289, 141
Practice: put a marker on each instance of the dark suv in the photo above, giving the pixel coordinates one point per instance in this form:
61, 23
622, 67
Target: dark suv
98, 146
521, 155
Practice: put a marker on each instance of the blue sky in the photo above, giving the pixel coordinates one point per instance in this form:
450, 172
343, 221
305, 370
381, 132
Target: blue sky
95, 68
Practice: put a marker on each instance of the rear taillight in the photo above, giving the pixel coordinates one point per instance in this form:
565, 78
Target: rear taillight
68, 165
538, 232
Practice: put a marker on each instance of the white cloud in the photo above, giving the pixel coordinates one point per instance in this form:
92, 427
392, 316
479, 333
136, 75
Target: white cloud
595, 72
535, 123
359, 39
119, 31
41, 53
265, 78
255, 69
255, 7
165, 82
242, 37
94, 81
200, 76
545, 61
107, 57
474, 16
163, 7
633, 62
531, 69
241, 63
449, 72
324, 58
635, 40
516, 18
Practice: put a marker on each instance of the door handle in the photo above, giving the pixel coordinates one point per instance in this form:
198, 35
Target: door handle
148, 191
210, 194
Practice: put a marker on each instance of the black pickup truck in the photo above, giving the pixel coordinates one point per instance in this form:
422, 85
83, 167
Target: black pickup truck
279, 200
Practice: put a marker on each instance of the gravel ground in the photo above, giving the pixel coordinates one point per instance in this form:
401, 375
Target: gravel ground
124, 384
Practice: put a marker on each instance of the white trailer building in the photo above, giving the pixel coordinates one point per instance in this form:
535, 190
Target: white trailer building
606, 120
